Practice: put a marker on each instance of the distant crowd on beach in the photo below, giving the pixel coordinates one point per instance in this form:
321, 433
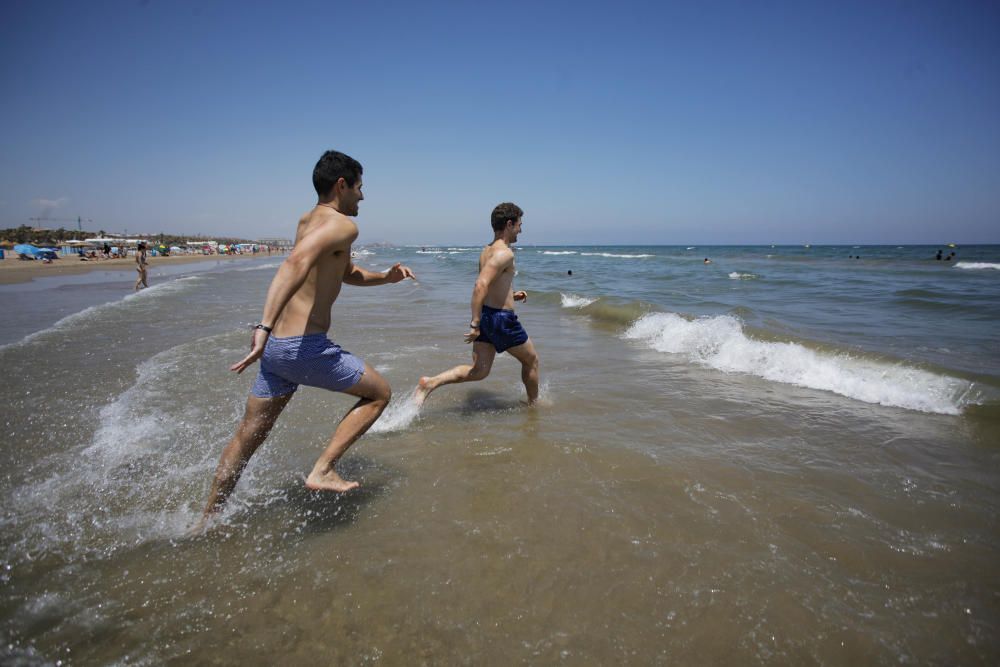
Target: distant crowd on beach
106, 250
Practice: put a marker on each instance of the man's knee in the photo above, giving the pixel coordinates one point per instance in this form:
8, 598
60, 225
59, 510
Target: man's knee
381, 394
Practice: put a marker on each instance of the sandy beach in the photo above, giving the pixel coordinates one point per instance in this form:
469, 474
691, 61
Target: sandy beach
14, 270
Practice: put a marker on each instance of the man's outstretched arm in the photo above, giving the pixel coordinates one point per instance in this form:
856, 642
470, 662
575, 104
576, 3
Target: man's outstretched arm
355, 275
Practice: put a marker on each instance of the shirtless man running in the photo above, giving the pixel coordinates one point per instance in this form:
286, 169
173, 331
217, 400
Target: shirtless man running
494, 327
291, 339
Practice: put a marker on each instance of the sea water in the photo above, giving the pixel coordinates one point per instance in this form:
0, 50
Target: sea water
788, 454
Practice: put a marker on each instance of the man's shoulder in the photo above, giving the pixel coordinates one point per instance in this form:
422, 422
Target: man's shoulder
502, 255
328, 224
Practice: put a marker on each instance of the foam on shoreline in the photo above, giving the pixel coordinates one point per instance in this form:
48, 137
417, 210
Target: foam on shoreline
720, 342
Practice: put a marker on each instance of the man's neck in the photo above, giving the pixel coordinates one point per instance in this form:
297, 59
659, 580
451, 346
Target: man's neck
333, 203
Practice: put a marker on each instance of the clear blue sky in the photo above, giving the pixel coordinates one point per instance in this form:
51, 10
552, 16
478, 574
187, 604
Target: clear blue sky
697, 122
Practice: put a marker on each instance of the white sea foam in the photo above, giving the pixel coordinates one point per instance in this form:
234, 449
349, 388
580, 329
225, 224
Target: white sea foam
977, 265
742, 276
574, 301
100, 310
134, 480
558, 252
398, 416
611, 254
258, 267
719, 342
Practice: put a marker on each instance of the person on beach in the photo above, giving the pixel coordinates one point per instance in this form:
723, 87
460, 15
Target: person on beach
291, 339
140, 266
494, 327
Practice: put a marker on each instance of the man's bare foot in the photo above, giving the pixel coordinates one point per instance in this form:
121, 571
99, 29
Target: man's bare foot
199, 528
423, 390
329, 481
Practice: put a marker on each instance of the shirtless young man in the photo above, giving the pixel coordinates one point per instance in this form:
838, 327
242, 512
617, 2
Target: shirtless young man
291, 339
494, 327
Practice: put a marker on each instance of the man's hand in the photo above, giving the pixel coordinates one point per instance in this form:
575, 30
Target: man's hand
398, 272
521, 295
472, 335
258, 339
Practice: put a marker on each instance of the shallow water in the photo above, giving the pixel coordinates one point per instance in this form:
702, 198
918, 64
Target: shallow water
796, 464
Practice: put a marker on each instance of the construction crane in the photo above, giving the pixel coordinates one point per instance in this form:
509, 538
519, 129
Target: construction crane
79, 221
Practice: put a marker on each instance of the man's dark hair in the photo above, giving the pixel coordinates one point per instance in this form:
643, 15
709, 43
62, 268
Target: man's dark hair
504, 212
332, 166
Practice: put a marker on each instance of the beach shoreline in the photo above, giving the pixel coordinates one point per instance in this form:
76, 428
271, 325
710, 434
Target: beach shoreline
14, 271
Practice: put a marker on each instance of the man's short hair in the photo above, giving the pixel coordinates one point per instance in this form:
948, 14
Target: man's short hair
332, 166
504, 212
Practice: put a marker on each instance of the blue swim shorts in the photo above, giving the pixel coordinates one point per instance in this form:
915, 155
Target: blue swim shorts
312, 360
500, 328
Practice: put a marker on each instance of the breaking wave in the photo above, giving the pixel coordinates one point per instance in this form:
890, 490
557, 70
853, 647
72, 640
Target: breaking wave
574, 301
719, 342
977, 265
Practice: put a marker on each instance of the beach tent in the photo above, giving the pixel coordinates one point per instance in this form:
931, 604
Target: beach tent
26, 250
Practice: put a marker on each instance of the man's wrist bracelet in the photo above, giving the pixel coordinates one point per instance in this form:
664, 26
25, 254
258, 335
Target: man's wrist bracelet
263, 327
473, 325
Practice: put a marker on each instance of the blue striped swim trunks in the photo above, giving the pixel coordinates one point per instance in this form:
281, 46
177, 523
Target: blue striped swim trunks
312, 360
501, 329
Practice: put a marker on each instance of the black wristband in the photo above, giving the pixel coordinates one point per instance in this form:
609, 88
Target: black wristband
473, 325
264, 327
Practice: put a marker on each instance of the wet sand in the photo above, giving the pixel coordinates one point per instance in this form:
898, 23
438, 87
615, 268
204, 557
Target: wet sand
13, 270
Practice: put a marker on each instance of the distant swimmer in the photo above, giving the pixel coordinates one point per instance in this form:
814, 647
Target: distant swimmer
570, 272
141, 266
494, 327
297, 312
938, 255
707, 261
